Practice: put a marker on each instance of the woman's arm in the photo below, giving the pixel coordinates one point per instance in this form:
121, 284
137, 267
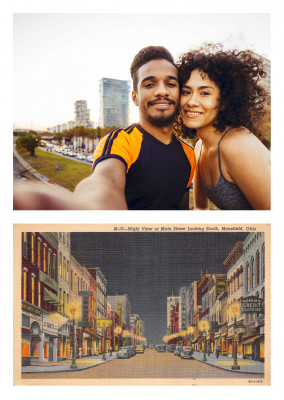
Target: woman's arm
247, 161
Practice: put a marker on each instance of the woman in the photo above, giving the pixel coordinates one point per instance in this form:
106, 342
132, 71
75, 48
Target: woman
223, 102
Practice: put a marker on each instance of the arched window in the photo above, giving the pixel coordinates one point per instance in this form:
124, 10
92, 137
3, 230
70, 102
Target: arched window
38, 252
257, 268
247, 276
262, 262
25, 272
24, 249
44, 257
252, 272
33, 248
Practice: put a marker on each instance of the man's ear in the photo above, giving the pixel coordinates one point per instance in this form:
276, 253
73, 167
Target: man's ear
134, 98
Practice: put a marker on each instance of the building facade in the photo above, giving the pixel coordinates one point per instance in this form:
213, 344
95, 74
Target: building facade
114, 102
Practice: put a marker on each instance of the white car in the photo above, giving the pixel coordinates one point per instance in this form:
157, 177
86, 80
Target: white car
81, 157
71, 153
90, 158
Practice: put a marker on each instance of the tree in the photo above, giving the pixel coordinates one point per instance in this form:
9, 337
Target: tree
28, 142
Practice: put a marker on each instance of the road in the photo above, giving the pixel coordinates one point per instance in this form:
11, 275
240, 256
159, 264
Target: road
151, 364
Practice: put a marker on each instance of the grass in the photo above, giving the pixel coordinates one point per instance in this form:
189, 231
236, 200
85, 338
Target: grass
45, 163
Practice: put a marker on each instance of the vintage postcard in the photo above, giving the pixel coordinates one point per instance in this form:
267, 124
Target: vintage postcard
142, 304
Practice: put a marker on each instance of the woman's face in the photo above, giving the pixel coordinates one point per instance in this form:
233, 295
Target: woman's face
199, 101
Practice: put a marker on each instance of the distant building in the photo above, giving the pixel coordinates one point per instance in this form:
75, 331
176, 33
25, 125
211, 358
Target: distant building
173, 303
114, 102
126, 307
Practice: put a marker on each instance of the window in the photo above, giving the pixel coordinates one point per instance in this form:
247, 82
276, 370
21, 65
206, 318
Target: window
24, 249
64, 267
67, 271
60, 264
39, 253
38, 294
33, 288
252, 272
49, 262
257, 268
71, 279
75, 282
54, 265
262, 262
60, 298
247, 272
25, 284
32, 248
64, 302
44, 257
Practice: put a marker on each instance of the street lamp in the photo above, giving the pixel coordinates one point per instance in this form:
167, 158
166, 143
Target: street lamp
73, 313
203, 327
235, 312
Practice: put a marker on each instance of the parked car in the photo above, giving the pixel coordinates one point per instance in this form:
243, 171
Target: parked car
71, 153
171, 348
178, 350
186, 352
124, 352
161, 348
139, 348
80, 156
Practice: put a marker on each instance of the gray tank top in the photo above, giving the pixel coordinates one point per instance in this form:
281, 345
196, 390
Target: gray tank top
225, 195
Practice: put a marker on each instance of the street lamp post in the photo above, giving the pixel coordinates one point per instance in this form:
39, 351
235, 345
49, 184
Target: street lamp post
73, 364
203, 326
235, 311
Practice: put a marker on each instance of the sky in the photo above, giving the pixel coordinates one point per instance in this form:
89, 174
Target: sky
58, 58
147, 266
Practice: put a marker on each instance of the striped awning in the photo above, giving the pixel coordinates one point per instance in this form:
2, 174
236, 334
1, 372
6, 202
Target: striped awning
51, 297
251, 340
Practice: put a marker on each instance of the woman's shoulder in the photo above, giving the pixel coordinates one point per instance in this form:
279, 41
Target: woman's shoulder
241, 141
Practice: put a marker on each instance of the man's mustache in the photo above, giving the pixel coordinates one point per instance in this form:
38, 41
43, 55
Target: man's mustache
169, 101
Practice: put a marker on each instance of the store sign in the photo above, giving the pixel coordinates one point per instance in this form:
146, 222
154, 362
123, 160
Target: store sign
252, 305
49, 326
220, 286
30, 308
104, 323
183, 308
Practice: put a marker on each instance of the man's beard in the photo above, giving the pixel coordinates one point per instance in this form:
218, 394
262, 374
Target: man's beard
162, 121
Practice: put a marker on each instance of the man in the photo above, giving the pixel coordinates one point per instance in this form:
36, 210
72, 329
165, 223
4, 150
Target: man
144, 166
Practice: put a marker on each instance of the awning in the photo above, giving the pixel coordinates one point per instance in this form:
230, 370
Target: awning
251, 340
51, 297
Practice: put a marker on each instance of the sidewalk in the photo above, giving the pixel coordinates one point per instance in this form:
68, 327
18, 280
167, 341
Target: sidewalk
224, 362
64, 366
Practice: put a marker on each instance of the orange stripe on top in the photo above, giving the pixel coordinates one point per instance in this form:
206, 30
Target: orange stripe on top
191, 157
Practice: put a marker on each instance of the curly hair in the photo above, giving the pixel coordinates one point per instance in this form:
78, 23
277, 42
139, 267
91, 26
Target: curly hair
145, 55
237, 74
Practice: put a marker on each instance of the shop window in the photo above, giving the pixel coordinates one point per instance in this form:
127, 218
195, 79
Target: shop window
25, 348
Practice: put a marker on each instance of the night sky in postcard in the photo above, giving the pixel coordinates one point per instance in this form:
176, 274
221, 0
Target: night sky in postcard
147, 266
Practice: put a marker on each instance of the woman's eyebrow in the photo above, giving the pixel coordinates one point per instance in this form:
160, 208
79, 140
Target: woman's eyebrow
200, 87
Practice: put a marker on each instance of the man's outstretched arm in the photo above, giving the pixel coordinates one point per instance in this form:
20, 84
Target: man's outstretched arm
105, 188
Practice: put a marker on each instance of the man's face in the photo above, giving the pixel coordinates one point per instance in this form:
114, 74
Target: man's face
157, 93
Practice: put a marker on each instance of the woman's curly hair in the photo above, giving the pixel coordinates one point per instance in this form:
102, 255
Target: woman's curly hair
237, 73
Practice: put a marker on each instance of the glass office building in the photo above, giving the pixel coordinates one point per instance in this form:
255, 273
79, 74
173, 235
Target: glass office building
114, 102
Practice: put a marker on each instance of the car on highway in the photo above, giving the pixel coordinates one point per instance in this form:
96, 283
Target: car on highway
90, 158
186, 352
80, 156
124, 352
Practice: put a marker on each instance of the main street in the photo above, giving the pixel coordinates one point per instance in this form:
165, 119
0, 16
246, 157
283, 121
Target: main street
151, 364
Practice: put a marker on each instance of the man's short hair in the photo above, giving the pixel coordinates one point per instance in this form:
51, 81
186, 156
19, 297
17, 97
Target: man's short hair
144, 56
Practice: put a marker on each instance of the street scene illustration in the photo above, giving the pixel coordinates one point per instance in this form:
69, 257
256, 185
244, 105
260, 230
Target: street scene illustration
182, 305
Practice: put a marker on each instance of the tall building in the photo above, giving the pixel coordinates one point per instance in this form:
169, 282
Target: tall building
125, 307
114, 102
173, 303
82, 114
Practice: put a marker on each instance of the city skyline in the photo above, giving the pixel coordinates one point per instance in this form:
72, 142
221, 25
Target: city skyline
58, 66
127, 260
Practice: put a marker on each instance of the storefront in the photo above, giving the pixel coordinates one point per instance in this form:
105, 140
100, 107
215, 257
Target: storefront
30, 333
49, 338
63, 344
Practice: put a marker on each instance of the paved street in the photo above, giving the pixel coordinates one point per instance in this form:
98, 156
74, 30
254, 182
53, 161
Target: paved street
151, 364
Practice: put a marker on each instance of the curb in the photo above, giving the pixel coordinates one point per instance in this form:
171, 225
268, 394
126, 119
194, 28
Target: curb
226, 369
67, 370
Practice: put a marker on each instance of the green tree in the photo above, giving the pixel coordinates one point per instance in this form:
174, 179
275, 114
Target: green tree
28, 141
